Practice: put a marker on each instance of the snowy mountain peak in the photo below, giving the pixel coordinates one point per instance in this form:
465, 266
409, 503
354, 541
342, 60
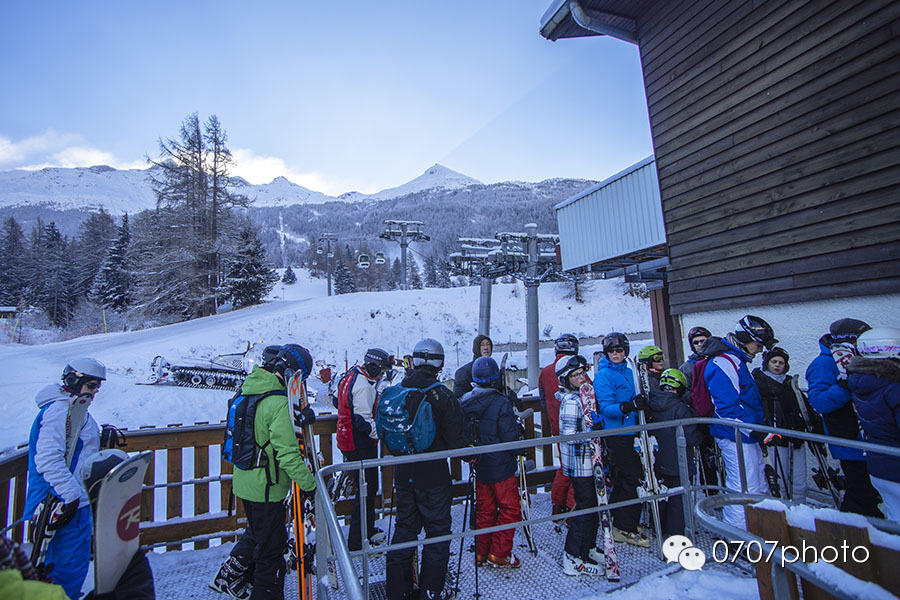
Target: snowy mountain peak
435, 176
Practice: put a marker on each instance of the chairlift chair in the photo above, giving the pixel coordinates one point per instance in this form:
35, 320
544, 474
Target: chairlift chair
363, 261
379, 258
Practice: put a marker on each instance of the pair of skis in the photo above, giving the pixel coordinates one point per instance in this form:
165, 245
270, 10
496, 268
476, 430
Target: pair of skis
826, 472
646, 445
588, 405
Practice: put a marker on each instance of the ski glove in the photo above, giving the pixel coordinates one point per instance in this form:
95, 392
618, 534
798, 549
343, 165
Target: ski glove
640, 402
771, 439
305, 417
61, 514
596, 421
626, 407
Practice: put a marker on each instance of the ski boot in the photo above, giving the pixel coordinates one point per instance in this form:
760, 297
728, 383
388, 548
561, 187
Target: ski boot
510, 561
634, 538
573, 566
232, 579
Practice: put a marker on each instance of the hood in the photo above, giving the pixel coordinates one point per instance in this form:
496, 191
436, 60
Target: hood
660, 400
885, 368
476, 345
716, 345
420, 377
477, 401
50, 393
605, 363
260, 381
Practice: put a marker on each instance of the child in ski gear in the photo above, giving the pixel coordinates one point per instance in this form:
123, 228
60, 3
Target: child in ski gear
462, 380
652, 357
63, 441
697, 336
423, 492
490, 415
263, 489
356, 435
669, 404
735, 396
709, 451
616, 402
780, 409
874, 380
562, 496
830, 397
580, 556
18, 578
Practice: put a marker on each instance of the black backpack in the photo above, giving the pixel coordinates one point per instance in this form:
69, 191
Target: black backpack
240, 447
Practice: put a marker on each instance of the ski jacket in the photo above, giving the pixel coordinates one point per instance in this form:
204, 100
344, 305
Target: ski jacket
448, 420
548, 385
833, 402
733, 392
575, 457
613, 384
357, 395
47, 470
780, 408
13, 587
669, 406
687, 367
875, 385
491, 414
462, 379
274, 433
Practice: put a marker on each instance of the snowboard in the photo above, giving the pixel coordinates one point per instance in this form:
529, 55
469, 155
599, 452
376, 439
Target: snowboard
116, 526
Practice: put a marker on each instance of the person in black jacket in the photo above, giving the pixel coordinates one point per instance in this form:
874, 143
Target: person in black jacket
671, 403
423, 491
462, 381
780, 409
497, 492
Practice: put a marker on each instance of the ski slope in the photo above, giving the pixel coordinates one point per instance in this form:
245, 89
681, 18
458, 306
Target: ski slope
333, 328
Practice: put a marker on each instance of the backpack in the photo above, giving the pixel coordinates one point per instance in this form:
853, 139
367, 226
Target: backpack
240, 447
401, 434
700, 398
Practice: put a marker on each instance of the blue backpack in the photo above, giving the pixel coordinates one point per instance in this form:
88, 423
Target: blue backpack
240, 447
401, 434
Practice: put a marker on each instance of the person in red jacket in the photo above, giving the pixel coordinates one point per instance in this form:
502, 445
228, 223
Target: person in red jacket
562, 494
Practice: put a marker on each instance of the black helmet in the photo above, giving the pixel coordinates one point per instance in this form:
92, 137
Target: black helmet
290, 359
614, 340
776, 351
567, 343
81, 370
377, 361
268, 355
428, 352
697, 332
755, 329
847, 330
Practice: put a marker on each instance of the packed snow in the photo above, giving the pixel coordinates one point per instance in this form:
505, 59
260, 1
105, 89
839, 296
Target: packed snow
335, 329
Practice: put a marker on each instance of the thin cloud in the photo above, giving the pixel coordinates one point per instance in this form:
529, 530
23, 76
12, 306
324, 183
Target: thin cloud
53, 149
263, 169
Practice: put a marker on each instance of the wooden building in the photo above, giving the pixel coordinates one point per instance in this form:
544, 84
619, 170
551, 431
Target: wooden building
776, 133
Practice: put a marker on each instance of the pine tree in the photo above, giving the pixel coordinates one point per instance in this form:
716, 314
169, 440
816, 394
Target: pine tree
95, 236
415, 279
56, 286
249, 276
442, 274
289, 276
112, 285
13, 257
343, 279
396, 274
431, 271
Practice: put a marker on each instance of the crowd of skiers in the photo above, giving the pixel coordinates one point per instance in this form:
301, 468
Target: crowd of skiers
854, 385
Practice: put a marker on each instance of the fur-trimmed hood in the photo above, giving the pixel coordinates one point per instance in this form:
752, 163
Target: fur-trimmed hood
886, 368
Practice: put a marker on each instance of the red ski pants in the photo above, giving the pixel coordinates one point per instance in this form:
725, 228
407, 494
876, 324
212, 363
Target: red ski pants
496, 504
562, 493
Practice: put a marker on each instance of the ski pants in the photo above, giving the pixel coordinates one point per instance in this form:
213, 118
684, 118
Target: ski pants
859, 495
582, 534
626, 477
497, 504
354, 538
753, 467
671, 510
266, 521
792, 464
562, 493
418, 509
69, 551
890, 493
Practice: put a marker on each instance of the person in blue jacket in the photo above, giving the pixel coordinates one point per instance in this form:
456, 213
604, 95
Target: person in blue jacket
830, 396
735, 397
874, 380
616, 403
60, 452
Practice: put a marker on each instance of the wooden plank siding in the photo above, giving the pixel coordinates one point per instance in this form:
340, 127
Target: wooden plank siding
776, 130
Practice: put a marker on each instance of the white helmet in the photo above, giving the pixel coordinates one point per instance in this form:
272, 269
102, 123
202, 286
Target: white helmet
79, 370
879, 342
428, 352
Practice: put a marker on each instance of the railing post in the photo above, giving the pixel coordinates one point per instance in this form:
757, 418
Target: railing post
363, 526
323, 543
687, 496
739, 446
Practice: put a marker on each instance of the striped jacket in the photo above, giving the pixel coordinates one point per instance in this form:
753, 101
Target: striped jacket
574, 456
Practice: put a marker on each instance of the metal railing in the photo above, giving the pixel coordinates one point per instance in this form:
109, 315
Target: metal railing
356, 585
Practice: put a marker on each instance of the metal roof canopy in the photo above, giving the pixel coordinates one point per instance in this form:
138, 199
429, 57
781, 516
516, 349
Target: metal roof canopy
615, 226
583, 18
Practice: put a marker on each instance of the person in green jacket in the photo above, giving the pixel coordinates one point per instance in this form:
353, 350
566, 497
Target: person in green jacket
262, 490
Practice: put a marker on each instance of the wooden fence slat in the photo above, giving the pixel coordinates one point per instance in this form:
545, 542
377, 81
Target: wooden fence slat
173, 494
148, 499
839, 533
229, 502
770, 525
4, 503
18, 532
201, 490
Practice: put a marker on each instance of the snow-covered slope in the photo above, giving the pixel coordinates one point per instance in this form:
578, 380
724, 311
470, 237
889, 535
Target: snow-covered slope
436, 176
332, 328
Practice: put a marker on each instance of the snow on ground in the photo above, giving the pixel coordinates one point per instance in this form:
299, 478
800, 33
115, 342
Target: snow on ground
333, 328
688, 584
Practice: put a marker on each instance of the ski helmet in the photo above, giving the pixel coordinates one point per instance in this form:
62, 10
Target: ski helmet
567, 343
485, 371
776, 351
101, 463
377, 361
649, 354
81, 370
428, 352
698, 332
615, 340
847, 330
566, 365
879, 342
290, 359
673, 378
268, 355
755, 329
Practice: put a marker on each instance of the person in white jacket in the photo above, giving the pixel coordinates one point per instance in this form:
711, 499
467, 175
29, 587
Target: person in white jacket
63, 442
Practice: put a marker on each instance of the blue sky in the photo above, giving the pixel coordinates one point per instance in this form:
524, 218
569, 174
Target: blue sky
334, 96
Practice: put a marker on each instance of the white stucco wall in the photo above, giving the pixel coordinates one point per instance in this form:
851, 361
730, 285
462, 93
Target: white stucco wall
799, 326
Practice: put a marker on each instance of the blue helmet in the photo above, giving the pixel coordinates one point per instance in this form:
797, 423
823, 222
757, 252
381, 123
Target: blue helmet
485, 371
